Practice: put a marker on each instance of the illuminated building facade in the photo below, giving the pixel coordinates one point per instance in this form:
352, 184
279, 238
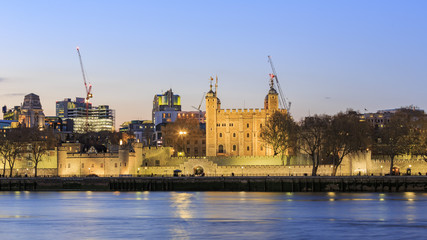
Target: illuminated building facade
143, 130
237, 132
11, 114
382, 117
100, 118
165, 110
31, 112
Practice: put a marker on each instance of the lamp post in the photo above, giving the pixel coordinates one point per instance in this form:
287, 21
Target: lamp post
242, 170
182, 134
138, 171
145, 171
381, 170
289, 171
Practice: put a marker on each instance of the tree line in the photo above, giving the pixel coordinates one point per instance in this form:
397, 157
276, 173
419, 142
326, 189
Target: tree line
33, 144
329, 139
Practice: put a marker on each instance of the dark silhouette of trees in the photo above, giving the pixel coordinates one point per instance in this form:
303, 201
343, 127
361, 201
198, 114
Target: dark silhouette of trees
189, 129
99, 140
280, 132
40, 142
397, 137
12, 146
312, 136
345, 135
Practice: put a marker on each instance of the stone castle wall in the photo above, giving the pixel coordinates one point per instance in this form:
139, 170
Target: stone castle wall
158, 161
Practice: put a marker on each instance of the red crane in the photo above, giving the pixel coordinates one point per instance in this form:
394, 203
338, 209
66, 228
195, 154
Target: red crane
88, 92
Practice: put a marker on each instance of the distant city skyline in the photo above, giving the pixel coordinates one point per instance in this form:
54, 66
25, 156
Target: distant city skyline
329, 55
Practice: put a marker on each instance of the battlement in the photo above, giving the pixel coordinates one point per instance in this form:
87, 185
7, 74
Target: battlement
242, 111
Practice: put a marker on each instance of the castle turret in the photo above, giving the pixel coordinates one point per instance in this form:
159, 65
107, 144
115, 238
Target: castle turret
271, 101
212, 106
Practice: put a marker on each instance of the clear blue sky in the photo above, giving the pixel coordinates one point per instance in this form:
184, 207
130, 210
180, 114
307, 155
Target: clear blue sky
329, 55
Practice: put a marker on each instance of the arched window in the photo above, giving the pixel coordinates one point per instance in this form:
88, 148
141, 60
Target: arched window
220, 134
247, 148
234, 147
221, 149
247, 135
234, 134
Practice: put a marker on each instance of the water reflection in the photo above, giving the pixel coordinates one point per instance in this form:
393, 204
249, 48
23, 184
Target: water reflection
207, 215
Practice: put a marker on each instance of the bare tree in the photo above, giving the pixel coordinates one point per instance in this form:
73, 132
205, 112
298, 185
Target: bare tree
394, 138
6, 146
345, 135
311, 138
280, 132
40, 142
176, 134
11, 147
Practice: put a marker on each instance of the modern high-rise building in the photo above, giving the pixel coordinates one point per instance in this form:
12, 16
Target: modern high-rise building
62, 107
165, 110
95, 119
11, 114
165, 107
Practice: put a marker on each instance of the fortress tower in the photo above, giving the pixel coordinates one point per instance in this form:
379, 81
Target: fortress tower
237, 132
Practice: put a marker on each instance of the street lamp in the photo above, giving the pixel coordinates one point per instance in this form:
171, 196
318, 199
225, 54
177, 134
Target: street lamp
145, 171
182, 134
381, 170
289, 171
242, 170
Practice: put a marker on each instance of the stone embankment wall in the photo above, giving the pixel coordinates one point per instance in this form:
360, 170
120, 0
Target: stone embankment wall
255, 184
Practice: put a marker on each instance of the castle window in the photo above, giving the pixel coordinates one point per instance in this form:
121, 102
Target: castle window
247, 125
220, 134
115, 165
247, 148
234, 147
261, 148
260, 126
221, 149
234, 134
247, 135
125, 164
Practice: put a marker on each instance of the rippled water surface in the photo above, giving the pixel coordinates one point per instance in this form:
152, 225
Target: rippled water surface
212, 215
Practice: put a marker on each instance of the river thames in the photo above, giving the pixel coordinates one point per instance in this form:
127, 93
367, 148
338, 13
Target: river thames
212, 215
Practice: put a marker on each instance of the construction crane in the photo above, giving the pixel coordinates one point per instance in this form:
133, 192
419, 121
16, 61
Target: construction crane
282, 99
200, 105
88, 89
